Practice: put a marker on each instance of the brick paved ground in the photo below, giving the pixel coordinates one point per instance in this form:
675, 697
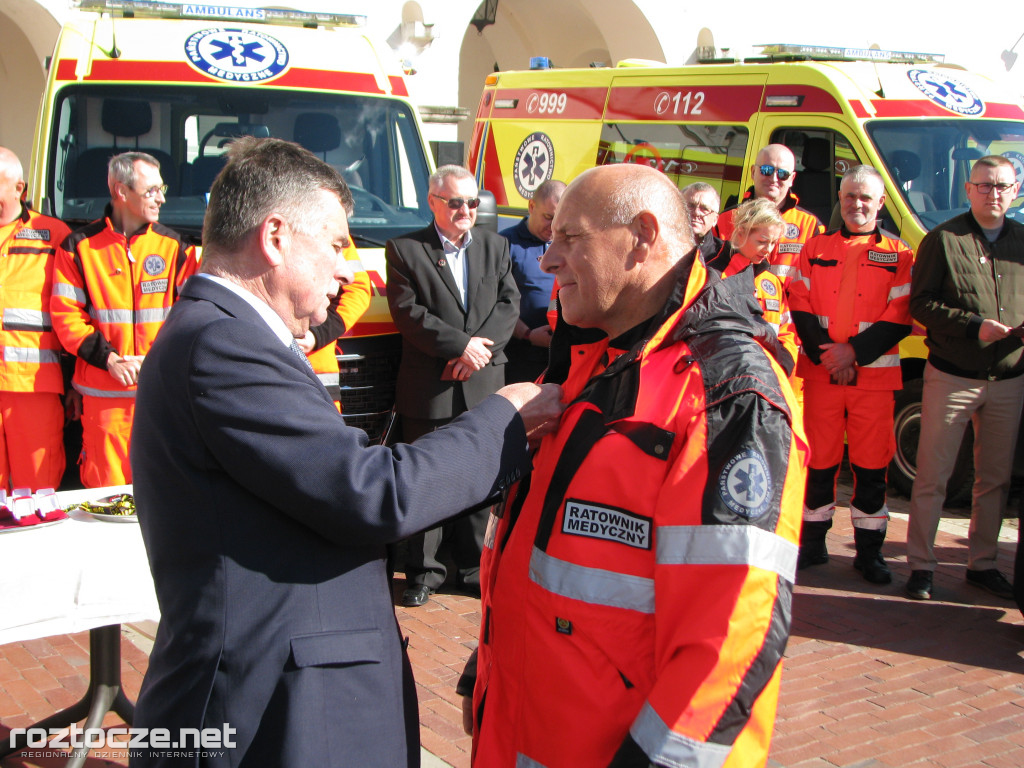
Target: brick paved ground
871, 680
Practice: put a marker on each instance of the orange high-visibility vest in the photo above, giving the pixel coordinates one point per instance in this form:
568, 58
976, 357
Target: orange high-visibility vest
31, 350
636, 589
111, 293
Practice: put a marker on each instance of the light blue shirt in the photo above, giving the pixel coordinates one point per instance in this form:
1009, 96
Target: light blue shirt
456, 257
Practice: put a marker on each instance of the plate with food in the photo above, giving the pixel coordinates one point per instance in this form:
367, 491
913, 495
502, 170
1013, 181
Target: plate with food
119, 508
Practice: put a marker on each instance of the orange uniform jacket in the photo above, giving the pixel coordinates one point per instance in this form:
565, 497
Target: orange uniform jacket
770, 295
636, 591
112, 293
346, 309
31, 350
872, 314
801, 226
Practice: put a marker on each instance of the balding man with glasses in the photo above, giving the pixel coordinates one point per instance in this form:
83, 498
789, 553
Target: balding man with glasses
114, 282
454, 300
967, 290
773, 174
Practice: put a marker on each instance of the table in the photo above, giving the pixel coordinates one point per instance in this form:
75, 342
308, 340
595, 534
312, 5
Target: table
79, 574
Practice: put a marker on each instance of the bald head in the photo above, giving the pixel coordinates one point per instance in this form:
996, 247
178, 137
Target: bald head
542, 208
773, 159
621, 234
12, 186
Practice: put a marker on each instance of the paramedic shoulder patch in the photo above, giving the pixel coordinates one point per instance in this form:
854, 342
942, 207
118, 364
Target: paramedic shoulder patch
745, 484
583, 518
32, 234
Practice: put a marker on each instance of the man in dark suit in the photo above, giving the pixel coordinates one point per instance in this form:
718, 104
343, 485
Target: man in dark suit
454, 299
266, 518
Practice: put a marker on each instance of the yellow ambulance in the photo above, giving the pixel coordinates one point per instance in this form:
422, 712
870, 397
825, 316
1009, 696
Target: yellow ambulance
181, 80
917, 119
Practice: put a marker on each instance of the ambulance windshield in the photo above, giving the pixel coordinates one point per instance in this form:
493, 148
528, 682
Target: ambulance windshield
373, 142
931, 159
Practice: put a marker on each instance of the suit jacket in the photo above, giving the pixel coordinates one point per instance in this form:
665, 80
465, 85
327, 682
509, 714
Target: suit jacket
265, 519
435, 328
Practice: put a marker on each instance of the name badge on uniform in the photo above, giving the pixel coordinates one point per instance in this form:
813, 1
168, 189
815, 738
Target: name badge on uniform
584, 518
882, 257
33, 234
772, 305
154, 286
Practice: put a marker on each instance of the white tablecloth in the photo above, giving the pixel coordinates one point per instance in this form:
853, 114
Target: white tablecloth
75, 575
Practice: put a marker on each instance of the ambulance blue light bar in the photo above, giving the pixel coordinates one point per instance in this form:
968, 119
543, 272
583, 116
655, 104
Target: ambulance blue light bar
827, 52
166, 10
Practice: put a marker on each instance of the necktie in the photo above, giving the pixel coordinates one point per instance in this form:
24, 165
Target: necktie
294, 347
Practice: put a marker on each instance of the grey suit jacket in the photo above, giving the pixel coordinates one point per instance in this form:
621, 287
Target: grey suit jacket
435, 327
265, 519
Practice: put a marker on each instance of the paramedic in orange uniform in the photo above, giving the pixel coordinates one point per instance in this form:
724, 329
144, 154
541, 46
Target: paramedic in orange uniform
636, 589
756, 231
31, 384
346, 308
850, 300
773, 174
114, 282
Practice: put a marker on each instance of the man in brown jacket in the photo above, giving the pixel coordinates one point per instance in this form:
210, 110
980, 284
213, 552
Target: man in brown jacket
968, 292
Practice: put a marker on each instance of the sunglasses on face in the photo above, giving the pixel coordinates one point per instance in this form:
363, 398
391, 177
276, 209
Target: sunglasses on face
457, 202
770, 170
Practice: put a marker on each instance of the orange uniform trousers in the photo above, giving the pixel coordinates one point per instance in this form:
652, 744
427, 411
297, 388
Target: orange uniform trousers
31, 440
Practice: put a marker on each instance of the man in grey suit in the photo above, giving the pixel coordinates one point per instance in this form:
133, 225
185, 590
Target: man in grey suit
265, 517
454, 300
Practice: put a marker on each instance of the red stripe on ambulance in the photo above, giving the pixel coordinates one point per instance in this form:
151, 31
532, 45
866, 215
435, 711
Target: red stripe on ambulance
674, 104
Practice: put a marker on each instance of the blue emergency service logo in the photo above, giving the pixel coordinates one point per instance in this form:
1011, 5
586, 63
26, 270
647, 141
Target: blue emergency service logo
768, 286
1018, 166
534, 164
236, 55
745, 484
154, 264
947, 92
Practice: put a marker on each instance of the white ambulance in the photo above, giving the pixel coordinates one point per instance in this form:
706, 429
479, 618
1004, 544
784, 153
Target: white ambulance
917, 119
180, 81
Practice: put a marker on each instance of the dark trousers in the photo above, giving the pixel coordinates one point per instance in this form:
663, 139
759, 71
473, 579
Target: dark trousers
465, 535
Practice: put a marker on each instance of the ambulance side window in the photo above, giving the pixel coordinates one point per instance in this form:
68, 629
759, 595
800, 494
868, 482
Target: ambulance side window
685, 152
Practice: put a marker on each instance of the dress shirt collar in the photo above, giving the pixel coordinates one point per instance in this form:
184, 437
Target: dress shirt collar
449, 246
271, 318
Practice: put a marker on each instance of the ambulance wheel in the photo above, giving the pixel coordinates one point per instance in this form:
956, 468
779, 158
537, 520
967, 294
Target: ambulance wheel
907, 426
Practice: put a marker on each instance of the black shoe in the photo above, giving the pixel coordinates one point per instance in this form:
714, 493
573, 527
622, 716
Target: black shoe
874, 569
417, 595
919, 585
992, 581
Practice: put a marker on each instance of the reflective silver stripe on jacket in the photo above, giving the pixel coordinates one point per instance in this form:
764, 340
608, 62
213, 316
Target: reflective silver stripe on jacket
330, 379
92, 392
30, 355
522, 761
356, 264
27, 320
726, 545
665, 747
68, 291
591, 585
899, 291
156, 315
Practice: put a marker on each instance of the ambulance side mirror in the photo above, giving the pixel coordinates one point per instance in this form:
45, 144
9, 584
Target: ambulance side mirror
487, 212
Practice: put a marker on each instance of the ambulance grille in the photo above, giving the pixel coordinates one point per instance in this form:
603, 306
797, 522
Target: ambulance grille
368, 369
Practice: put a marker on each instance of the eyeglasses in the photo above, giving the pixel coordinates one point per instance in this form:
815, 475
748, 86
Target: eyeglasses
771, 170
152, 192
986, 189
703, 210
457, 202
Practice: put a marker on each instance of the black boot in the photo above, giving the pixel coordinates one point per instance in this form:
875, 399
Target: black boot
812, 543
869, 556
